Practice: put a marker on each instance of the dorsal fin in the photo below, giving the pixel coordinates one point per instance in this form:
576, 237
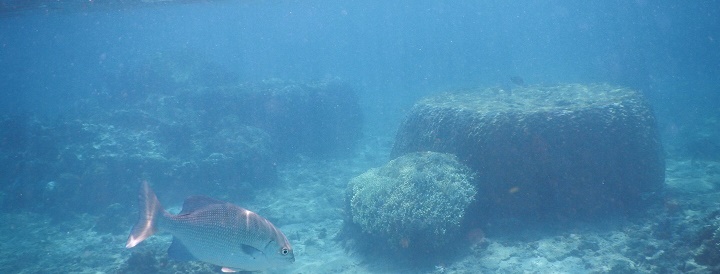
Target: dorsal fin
196, 202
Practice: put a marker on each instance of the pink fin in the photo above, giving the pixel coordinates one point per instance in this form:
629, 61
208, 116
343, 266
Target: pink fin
228, 270
149, 209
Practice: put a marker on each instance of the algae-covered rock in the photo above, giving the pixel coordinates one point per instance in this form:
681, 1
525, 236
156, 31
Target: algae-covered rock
415, 201
569, 150
708, 252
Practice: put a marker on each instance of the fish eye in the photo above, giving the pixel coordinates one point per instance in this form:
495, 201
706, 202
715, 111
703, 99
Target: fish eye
284, 251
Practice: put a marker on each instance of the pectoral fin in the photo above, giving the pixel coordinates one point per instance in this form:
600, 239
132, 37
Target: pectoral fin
251, 251
228, 270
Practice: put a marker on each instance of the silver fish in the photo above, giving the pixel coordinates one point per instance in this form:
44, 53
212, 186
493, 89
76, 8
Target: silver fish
215, 232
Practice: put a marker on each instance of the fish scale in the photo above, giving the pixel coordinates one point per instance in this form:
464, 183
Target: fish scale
215, 232
193, 228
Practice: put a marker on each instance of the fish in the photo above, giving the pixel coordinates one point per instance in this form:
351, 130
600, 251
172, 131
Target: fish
213, 231
517, 80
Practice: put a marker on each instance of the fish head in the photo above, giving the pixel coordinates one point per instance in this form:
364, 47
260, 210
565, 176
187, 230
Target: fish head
261, 244
279, 251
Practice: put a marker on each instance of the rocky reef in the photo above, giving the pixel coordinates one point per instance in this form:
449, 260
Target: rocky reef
567, 151
414, 203
172, 124
316, 118
708, 241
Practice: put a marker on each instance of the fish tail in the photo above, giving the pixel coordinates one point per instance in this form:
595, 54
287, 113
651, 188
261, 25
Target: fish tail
150, 211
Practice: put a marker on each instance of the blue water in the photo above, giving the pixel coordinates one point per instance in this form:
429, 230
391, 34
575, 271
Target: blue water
64, 61
391, 49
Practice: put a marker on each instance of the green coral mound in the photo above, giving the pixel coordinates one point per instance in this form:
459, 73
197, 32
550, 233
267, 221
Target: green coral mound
416, 201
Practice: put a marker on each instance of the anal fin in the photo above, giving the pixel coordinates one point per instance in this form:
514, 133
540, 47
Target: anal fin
177, 251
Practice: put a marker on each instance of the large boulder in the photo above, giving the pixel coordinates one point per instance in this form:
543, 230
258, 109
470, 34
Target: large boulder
569, 150
415, 202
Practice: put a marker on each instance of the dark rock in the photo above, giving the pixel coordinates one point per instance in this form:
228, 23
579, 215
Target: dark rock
560, 152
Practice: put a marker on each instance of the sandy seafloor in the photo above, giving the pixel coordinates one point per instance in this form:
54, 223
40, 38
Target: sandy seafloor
308, 206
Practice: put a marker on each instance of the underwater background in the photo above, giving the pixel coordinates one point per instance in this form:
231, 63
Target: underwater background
305, 112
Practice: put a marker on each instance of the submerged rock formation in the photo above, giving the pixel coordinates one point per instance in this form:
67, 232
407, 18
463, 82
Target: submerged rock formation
416, 202
209, 140
562, 151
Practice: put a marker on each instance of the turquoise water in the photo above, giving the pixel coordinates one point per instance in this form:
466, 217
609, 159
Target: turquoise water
277, 105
